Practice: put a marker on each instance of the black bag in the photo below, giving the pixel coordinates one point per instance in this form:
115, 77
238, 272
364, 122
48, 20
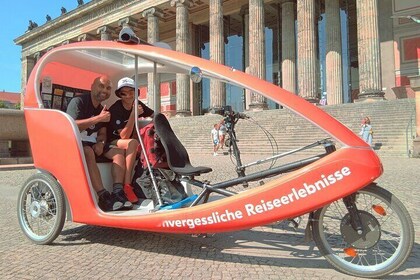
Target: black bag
170, 189
138, 172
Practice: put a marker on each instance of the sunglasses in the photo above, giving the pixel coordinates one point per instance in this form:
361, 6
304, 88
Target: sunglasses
126, 93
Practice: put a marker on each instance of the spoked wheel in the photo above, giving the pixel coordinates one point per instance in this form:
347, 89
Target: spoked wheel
384, 245
41, 208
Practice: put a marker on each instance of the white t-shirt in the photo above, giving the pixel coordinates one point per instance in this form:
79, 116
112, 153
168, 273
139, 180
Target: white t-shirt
215, 134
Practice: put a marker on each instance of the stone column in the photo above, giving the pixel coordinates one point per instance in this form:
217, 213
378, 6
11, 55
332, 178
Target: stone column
288, 46
334, 70
196, 92
245, 25
217, 54
182, 36
307, 60
277, 77
370, 83
153, 89
28, 63
257, 50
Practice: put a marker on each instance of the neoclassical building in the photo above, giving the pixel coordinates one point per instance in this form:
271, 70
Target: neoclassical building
341, 50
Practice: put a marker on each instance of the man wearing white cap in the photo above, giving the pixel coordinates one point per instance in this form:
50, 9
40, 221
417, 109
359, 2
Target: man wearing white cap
120, 130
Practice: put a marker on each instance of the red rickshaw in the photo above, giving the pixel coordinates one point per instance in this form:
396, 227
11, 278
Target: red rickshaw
361, 228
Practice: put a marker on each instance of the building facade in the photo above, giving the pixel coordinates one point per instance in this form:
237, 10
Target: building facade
339, 50
9, 100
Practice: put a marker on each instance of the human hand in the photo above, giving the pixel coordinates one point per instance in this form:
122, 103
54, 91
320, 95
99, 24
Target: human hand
104, 115
139, 109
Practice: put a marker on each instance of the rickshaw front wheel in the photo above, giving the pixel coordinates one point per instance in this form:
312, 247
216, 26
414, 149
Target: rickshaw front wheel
41, 208
384, 244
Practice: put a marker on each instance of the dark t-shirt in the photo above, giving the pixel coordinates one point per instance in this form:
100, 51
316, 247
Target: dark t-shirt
80, 108
119, 118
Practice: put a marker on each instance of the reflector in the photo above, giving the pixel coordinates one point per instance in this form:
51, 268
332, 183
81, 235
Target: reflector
350, 252
379, 209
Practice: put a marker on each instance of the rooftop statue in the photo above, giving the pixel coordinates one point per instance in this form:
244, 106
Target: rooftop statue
32, 25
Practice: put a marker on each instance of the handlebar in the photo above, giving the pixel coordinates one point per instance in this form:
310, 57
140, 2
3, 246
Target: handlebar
242, 116
231, 118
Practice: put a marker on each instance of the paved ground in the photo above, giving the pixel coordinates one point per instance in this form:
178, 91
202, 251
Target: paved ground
272, 252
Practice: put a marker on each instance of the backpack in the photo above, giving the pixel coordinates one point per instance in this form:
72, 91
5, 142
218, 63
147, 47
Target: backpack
155, 152
170, 189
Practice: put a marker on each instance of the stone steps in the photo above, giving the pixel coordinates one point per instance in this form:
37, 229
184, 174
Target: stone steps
389, 120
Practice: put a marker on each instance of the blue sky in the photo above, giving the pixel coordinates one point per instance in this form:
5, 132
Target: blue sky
15, 17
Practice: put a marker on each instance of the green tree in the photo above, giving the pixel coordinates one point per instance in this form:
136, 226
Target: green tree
17, 106
2, 104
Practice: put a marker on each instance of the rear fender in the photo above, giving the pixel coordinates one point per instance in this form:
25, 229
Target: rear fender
69, 215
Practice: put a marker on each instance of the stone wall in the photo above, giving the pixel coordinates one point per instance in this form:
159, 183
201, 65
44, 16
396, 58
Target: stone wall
13, 129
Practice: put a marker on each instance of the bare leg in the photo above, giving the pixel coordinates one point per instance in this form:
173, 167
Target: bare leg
130, 147
221, 141
95, 175
118, 164
215, 148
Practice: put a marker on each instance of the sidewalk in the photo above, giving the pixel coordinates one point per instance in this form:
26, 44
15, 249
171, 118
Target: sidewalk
269, 252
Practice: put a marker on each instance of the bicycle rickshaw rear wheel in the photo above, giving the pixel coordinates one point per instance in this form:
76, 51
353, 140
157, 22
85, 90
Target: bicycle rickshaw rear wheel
384, 245
41, 208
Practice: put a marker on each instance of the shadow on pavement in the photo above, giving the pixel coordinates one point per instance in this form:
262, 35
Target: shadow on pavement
264, 245
250, 246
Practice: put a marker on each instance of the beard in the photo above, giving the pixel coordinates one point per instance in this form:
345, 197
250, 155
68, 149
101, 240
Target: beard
101, 96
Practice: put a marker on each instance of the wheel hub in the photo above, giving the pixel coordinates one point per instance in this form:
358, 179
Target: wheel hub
38, 208
371, 231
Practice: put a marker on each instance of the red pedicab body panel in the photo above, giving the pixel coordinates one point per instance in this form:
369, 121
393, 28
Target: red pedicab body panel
56, 150
286, 197
330, 178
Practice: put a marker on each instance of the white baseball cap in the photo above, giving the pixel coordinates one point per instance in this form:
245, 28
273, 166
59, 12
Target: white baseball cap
124, 82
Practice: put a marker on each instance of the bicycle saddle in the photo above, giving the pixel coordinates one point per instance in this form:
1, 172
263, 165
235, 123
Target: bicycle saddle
177, 155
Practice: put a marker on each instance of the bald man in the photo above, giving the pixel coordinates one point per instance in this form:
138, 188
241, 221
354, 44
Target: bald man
91, 118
